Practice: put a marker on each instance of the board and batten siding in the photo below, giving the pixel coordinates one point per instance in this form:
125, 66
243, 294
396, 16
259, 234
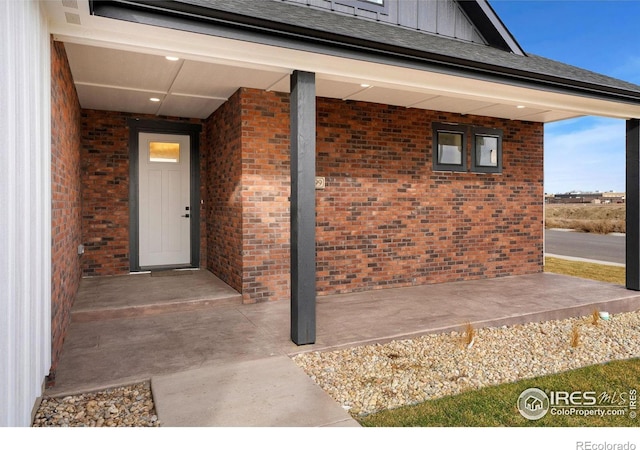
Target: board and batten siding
25, 202
443, 17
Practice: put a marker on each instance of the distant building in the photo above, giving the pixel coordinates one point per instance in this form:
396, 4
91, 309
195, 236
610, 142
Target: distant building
613, 197
586, 197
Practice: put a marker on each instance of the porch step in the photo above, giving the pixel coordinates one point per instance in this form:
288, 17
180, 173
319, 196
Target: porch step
140, 295
179, 305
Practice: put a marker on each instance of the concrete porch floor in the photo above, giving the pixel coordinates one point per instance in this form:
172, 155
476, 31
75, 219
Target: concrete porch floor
216, 362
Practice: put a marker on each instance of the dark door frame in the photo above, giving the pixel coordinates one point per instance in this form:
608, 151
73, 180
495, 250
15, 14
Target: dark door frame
137, 126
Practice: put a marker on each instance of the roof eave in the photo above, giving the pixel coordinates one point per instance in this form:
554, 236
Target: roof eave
179, 15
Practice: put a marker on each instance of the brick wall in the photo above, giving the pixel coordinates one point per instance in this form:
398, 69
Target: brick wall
105, 191
385, 218
266, 187
66, 198
223, 211
248, 210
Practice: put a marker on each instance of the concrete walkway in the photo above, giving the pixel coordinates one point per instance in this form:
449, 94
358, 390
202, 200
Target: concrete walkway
265, 392
220, 363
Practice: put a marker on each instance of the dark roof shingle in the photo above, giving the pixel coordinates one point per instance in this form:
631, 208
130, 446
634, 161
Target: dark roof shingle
299, 21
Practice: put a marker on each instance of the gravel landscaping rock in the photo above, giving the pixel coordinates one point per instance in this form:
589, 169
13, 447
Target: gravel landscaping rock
127, 406
372, 378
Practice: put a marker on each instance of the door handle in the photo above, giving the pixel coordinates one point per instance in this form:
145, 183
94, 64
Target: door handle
185, 215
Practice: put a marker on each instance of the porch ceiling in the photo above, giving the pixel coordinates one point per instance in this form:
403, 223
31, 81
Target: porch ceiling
120, 66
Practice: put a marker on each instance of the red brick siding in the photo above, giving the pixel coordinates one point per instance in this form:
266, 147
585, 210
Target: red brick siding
385, 218
66, 223
105, 191
248, 213
266, 189
223, 208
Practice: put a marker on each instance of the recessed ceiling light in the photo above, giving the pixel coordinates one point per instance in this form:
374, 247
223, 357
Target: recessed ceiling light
154, 99
520, 106
172, 58
364, 85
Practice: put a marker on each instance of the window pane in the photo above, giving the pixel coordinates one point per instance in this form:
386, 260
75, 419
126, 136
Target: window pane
449, 148
487, 151
167, 152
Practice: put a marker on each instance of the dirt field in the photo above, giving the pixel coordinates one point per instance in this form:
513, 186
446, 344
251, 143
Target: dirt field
590, 218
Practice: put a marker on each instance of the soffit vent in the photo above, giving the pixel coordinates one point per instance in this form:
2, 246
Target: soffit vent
70, 4
72, 18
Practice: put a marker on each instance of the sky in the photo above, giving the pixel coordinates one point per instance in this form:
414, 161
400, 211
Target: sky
585, 154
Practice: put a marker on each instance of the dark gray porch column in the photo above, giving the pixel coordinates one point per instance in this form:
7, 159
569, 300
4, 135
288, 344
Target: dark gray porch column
633, 204
303, 208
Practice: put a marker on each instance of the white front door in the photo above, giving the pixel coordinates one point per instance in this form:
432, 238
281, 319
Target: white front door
164, 199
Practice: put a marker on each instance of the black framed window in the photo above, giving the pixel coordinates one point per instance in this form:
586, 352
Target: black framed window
486, 154
449, 147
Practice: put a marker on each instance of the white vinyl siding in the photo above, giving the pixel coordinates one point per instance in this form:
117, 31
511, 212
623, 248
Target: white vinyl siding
25, 202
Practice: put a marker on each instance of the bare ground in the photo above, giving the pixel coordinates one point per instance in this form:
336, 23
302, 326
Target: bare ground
589, 218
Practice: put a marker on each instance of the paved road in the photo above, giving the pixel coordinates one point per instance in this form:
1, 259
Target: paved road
586, 245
